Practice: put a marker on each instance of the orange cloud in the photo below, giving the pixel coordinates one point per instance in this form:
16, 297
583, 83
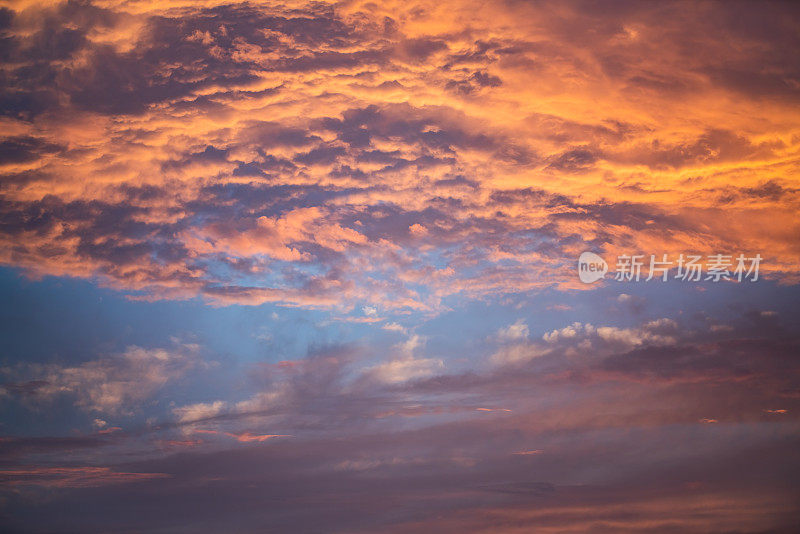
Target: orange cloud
70, 477
248, 437
460, 150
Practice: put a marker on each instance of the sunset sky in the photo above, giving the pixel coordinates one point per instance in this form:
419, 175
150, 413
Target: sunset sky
312, 267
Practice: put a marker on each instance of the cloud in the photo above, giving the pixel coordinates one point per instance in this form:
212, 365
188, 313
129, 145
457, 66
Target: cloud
198, 411
111, 385
578, 338
518, 330
252, 153
394, 327
402, 165
70, 477
19, 447
402, 370
337, 424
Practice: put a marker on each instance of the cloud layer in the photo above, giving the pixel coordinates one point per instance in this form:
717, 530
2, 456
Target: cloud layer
310, 266
326, 154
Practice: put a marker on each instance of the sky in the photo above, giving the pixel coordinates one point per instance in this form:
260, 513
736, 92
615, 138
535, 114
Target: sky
313, 267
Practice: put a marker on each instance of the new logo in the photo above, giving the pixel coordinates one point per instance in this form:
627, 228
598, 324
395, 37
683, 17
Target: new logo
591, 267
